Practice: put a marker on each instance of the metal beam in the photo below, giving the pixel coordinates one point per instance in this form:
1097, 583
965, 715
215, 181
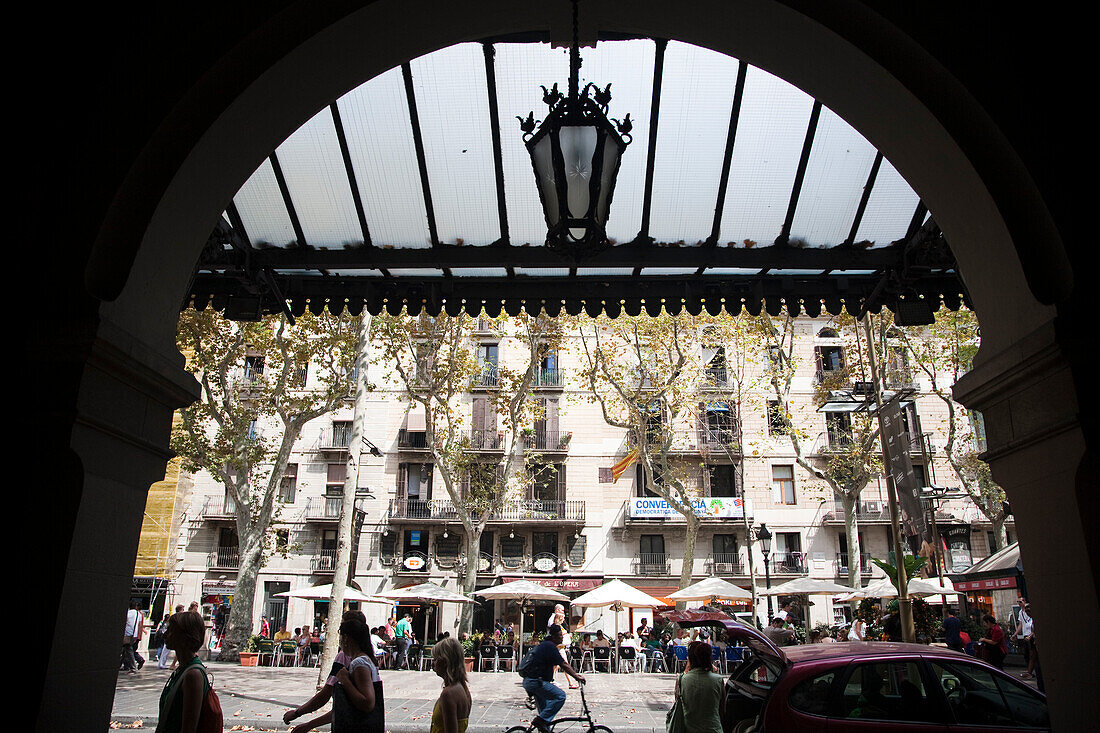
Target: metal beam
727, 158
624, 255
863, 199
338, 123
236, 222
807, 145
654, 116
494, 124
287, 201
421, 160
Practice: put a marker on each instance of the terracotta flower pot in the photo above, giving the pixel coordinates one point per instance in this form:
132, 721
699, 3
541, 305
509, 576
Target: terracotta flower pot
469, 664
250, 659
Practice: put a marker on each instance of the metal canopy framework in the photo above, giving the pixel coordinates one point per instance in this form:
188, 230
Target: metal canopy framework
415, 190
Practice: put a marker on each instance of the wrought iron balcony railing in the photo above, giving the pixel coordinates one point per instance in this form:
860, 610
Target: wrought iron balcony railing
866, 511
324, 508
224, 558
489, 440
215, 506
529, 510
788, 563
865, 564
489, 376
652, 563
324, 561
546, 440
724, 563
407, 440
545, 377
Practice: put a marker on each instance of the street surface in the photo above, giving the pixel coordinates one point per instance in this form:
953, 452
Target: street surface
255, 698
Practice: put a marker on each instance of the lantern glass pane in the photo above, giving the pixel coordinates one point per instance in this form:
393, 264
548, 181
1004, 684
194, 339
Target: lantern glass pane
612, 155
544, 171
578, 144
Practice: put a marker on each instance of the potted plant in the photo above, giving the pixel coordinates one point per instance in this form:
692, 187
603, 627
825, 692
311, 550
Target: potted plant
469, 644
250, 655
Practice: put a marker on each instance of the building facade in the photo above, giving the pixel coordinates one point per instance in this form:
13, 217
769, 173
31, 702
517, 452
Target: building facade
574, 527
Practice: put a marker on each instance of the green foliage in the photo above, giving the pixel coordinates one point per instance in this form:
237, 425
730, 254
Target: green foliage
253, 644
913, 564
925, 620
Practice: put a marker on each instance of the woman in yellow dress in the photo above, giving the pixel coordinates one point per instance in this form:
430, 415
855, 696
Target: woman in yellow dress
451, 713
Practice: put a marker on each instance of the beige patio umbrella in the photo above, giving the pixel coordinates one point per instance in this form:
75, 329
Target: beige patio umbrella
324, 592
883, 588
712, 589
425, 593
523, 591
807, 586
617, 595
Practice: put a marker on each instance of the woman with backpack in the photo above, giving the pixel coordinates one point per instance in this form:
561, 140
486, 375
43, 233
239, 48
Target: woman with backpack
188, 704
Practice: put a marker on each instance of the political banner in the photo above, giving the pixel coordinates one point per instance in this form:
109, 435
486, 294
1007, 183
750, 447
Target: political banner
715, 507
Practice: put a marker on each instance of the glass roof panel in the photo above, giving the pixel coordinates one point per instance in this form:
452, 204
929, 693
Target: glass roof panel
604, 271
628, 67
889, 209
770, 132
415, 272
452, 103
836, 173
376, 121
520, 68
543, 271
668, 270
355, 273
731, 271
313, 167
263, 213
479, 272
696, 100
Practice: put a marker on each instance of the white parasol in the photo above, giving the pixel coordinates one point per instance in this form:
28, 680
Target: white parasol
324, 593
807, 586
523, 591
711, 589
617, 595
425, 593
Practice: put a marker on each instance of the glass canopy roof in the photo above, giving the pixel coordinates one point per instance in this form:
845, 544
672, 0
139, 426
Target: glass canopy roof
416, 187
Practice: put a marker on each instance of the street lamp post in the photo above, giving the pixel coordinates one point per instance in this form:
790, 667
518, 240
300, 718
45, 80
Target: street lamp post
765, 537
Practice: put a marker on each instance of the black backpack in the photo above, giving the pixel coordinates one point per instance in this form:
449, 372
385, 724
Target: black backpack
526, 666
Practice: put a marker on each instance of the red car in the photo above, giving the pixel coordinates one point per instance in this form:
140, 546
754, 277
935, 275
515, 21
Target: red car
864, 686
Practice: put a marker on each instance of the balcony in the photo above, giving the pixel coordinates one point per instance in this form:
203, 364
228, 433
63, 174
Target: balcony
716, 378
724, 563
788, 563
867, 512
530, 510
486, 440
412, 441
865, 564
900, 378
324, 508
719, 440
324, 561
219, 508
548, 378
487, 378
224, 558
547, 441
652, 563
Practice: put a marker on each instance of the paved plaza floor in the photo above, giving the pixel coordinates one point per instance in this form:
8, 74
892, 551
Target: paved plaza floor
255, 698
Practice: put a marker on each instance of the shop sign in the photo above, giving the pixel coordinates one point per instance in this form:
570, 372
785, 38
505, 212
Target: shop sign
717, 507
219, 587
414, 563
565, 585
991, 584
545, 565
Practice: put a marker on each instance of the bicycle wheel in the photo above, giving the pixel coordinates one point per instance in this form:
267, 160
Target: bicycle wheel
600, 729
518, 729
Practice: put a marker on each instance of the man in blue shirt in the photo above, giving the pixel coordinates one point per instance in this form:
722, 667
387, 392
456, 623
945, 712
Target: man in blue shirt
538, 680
951, 628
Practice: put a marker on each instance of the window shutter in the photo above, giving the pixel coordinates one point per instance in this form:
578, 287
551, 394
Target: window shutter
552, 416
337, 473
561, 481
479, 413
605, 476
402, 479
777, 487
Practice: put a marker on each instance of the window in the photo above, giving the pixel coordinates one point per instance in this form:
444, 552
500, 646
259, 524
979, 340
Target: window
605, 476
288, 486
282, 540
719, 423
783, 484
977, 697
547, 482
812, 695
829, 358
887, 691
652, 559
253, 430
335, 475
341, 433
724, 549
301, 377
778, 422
641, 487
723, 480
838, 427
253, 367
417, 482
487, 365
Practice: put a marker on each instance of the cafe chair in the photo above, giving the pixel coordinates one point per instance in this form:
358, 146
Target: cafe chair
601, 655
488, 655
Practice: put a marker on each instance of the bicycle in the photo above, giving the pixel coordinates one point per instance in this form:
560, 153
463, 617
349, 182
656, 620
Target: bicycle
586, 717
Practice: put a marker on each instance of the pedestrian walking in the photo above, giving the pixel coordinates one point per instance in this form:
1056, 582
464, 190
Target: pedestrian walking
160, 643
404, 635
132, 630
168, 652
1021, 634
952, 631
188, 700
323, 695
701, 692
993, 646
357, 701
451, 713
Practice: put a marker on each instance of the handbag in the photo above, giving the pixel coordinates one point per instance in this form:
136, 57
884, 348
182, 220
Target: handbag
674, 718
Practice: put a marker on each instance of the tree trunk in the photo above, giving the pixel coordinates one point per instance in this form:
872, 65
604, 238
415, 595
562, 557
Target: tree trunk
691, 532
1000, 537
244, 594
469, 577
345, 540
851, 536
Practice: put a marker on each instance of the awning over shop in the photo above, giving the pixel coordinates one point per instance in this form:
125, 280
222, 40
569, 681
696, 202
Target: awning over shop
1001, 570
562, 585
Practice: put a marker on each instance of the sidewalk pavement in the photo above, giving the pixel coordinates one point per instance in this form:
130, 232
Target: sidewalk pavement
255, 698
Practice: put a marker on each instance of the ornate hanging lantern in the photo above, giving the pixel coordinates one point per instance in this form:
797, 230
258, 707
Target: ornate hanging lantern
576, 153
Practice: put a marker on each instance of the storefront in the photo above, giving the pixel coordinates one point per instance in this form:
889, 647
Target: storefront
214, 594
992, 585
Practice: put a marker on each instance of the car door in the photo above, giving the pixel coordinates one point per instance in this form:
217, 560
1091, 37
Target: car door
981, 698
887, 693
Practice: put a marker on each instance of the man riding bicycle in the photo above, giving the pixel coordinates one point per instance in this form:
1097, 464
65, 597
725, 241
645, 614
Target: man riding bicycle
538, 678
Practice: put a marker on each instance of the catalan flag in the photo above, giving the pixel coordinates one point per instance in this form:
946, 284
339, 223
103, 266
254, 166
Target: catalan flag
620, 467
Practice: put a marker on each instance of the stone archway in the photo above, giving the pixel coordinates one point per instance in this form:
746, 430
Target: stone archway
142, 261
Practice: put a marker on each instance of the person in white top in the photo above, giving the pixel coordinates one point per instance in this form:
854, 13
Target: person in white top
857, 632
558, 617
379, 645
131, 636
1022, 635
